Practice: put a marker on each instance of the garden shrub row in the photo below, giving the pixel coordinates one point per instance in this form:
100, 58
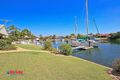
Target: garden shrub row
5, 44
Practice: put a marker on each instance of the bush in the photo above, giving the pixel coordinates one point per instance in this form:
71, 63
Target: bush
65, 49
6, 45
53, 50
116, 66
47, 45
115, 36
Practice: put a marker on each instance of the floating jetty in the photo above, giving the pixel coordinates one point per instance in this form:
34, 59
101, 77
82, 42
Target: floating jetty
82, 48
79, 47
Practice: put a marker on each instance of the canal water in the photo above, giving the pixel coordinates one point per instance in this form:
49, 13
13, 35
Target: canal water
105, 55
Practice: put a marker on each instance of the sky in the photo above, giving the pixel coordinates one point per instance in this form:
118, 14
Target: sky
49, 17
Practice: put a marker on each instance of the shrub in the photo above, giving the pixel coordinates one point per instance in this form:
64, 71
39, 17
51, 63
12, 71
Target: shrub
6, 45
65, 49
53, 50
47, 45
116, 66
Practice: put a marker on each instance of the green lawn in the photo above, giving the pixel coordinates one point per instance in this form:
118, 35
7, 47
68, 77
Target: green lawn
29, 46
43, 66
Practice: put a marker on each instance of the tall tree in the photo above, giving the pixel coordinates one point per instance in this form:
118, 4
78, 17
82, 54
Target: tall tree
14, 33
26, 34
12, 28
54, 37
41, 37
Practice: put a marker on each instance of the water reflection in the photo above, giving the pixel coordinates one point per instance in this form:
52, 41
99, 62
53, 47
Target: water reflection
105, 54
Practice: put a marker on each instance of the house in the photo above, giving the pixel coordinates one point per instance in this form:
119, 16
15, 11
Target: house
104, 35
59, 38
3, 30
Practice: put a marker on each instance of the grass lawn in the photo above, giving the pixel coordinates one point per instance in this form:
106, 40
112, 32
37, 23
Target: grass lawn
29, 46
43, 66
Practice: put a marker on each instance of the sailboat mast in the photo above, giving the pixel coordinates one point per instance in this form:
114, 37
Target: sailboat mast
87, 18
75, 25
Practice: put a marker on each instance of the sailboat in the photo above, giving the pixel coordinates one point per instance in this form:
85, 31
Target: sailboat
87, 27
79, 44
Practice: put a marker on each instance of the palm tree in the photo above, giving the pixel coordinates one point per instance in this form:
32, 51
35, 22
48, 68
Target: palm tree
14, 33
12, 28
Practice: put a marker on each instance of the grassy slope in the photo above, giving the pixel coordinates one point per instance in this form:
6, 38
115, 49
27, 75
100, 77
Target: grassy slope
43, 66
29, 47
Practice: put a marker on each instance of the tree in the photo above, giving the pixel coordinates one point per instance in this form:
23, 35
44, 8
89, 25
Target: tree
79, 36
14, 33
41, 37
67, 37
50, 37
12, 28
115, 36
26, 34
1, 36
33, 37
72, 34
54, 37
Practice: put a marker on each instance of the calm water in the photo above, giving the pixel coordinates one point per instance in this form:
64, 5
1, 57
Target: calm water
105, 54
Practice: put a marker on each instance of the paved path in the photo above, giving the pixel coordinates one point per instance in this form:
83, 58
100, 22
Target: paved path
21, 50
